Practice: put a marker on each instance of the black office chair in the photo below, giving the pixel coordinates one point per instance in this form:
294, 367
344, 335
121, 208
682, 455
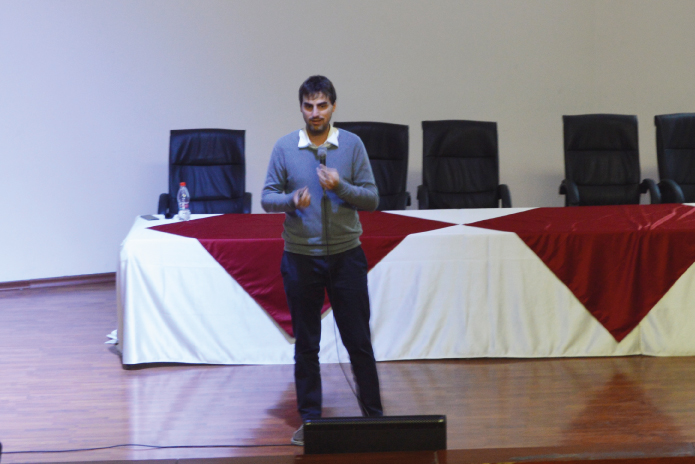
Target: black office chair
212, 164
602, 161
675, 153
460, 166
387, 147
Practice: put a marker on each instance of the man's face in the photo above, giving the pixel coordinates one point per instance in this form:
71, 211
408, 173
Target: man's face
317, 111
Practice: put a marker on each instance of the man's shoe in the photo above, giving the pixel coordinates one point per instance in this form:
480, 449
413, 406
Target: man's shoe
298, 437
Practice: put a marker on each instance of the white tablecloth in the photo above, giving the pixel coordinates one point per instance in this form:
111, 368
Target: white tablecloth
456, 292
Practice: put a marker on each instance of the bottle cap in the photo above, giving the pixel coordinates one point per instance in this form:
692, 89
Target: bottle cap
182, 184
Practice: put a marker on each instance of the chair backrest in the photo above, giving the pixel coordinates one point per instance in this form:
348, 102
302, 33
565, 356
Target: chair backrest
387, 147
675, 150
602, 158
460, 166
212, 163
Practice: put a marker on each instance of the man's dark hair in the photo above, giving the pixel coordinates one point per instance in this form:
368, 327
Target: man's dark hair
315, 85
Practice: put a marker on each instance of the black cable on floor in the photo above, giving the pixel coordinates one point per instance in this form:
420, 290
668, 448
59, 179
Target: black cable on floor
145, 446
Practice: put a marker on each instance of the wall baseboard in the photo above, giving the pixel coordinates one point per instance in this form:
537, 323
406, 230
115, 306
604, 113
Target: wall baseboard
107, 277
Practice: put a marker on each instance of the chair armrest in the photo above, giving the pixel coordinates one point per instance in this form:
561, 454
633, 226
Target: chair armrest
654, 191
402, 201
571, 192
423, 201
505, 195
247, 203
163, 207
671, 192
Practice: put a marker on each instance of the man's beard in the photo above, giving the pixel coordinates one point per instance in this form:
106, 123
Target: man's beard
320, 130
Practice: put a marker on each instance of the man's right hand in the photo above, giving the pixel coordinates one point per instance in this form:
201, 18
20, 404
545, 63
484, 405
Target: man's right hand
301, 198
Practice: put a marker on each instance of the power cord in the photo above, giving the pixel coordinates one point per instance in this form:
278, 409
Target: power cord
144, 446
324, 203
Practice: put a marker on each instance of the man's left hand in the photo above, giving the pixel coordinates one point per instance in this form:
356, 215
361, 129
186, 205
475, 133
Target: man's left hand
328, 177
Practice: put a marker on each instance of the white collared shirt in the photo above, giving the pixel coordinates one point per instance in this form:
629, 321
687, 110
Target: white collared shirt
305, 142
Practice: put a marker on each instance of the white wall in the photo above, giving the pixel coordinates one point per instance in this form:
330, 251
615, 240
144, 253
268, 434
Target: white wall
90, 90
645, 64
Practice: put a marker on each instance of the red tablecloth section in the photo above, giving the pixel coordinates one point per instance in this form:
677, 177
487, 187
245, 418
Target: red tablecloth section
619, 261
249, 247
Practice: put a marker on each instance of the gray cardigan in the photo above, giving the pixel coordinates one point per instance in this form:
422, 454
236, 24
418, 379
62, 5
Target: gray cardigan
292, 168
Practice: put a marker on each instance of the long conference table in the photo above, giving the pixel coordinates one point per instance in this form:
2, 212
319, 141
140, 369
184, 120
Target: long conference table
519, 282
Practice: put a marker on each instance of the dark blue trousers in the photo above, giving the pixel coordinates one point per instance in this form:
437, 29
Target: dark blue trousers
344, 277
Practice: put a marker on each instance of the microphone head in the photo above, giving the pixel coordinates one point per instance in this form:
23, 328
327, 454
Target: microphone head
322, 155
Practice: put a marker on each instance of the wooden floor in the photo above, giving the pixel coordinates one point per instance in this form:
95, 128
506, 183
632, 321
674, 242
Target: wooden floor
62, 388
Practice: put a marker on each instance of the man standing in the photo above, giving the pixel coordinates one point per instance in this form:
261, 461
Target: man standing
319, 177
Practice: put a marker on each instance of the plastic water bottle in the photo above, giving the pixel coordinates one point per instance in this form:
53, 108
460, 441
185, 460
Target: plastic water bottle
183, 197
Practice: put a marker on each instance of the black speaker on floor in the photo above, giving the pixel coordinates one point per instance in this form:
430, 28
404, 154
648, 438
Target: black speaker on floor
374, 434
